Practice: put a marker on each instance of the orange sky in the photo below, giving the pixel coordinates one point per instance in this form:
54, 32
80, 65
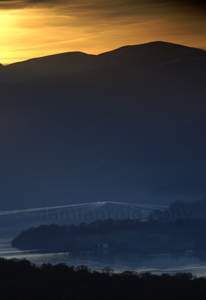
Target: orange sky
33, 28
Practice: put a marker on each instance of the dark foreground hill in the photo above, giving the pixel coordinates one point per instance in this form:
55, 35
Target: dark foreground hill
22, 280
124, 125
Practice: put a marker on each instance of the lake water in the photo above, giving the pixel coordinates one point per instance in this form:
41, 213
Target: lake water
157, 263
12, 223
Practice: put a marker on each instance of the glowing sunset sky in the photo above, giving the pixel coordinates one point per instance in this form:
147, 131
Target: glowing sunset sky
33, 28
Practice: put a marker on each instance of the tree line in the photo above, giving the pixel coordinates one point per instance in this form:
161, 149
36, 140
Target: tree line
23, 280
148, 236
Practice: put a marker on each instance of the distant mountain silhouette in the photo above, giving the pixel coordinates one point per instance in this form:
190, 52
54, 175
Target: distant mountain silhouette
154, 56
54, 64
128, 124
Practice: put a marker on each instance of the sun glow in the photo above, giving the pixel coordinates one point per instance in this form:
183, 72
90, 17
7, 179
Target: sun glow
30, 33
39, 31
13, 35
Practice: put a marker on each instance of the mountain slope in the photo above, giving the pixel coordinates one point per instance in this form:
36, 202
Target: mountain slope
54, 64
127, 125
150, 57
147, 57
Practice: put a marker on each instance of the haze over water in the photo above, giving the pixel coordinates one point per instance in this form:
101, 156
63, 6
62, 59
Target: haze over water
156, 263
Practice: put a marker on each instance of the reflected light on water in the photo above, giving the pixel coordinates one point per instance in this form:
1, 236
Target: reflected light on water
157, 264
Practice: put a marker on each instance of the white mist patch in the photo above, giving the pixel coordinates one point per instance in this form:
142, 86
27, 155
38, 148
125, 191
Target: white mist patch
78, 213
15, 221
30, 210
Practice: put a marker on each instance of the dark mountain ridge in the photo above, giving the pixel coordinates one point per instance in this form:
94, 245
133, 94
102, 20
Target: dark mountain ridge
152, 55
128, 124
140, 59
54, 64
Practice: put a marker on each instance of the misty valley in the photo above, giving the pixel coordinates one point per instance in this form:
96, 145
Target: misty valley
110, 258
129, 235
178, 230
